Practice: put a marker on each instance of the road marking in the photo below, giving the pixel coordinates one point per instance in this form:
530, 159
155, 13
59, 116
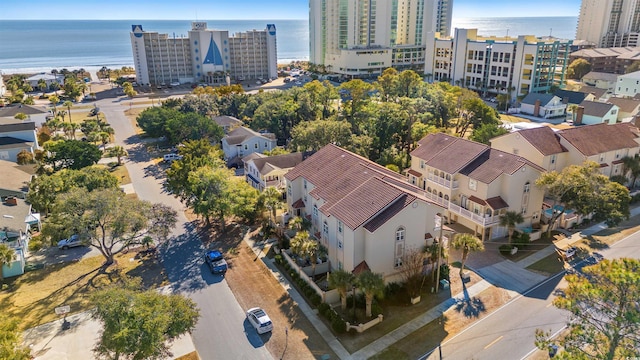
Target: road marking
493, 342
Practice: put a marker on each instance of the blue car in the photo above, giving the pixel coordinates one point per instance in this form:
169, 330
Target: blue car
216, 262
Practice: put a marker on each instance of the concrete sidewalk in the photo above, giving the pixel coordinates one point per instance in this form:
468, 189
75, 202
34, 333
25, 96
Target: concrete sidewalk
50, 342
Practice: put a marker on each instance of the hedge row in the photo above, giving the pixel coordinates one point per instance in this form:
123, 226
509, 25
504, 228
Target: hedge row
338, 325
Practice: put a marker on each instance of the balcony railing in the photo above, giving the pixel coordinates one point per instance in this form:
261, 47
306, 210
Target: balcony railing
483, 220
442, 181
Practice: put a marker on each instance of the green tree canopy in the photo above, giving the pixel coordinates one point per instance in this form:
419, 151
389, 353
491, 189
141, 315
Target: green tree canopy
342, 281
485, 132
71, 154
154, 120
372, 285
604, 321
11, 347
109, 221
141, 324
313, 135
578, 68
584, 189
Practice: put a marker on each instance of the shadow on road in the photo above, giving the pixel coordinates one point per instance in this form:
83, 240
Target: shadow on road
183, 261
254, 338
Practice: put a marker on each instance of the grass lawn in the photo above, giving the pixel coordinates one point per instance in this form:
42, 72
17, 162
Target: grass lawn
32, 297
609, 236
548, 266
121, 173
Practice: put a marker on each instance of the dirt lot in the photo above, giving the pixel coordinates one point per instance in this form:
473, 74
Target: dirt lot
253, 285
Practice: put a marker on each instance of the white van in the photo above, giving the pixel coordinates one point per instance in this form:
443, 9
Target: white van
171, 157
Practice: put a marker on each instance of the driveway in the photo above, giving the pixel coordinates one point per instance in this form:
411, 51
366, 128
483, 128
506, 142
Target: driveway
498, 271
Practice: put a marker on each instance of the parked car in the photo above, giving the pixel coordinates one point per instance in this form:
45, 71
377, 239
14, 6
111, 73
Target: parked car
72, 241
176, 83
259, 320
94, 111
569, 253
171, 157
215, 260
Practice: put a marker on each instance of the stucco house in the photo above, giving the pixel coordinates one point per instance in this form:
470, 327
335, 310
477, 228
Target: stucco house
628, 108
366, 215
243, 141
16, 136
594, 112
262, 171
600, 80
628, 84
47, 77
543, 105
475, 183
601, 143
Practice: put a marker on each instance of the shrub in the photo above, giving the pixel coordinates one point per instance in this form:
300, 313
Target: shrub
444, 271
36, 243
505, 249
338, 325
323, 309
392, 289
279, 260
376, 309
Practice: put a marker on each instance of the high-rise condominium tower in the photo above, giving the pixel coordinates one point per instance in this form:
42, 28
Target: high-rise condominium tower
609, 23
359, 37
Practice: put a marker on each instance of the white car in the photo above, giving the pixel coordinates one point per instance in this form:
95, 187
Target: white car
259, 320
175, 84
171, 157
72, 241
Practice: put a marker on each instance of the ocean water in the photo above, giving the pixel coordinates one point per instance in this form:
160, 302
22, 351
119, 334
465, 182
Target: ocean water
40, 45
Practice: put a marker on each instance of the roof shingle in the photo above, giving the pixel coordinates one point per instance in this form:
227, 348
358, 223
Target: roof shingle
600, 138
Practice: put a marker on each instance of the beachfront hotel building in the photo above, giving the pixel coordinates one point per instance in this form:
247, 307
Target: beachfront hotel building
363, 37
497, 65
205, 55
609, 23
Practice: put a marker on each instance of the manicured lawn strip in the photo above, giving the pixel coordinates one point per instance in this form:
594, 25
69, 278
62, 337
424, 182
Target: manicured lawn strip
121, 173
33, 297
548, 266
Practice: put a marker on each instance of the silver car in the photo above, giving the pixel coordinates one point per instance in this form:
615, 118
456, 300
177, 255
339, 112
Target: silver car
72, 241
259, 320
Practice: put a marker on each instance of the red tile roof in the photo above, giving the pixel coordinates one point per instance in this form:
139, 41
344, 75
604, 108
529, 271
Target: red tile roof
298, 204
543, 139
354, 189
362, 267
447, 153
493, 163
601, 138
414, 173
477, 200
497, 203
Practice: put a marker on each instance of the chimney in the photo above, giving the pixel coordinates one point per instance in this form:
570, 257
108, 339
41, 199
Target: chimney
536, 108
579, 115
565, 100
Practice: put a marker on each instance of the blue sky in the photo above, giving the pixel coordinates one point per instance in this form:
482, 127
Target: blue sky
247, 9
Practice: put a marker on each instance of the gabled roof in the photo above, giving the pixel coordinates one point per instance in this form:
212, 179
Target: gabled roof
14, 177
242, 134
354, 189
600, 138
603, 52
597, 92
389, 212
362, 267
573, 97
625, 104
497, 203
542, 138
595, 108
491, 164
632, 75
11, 111
531, 99
225, 120
595, 75
269, 163
447, 153
17, 126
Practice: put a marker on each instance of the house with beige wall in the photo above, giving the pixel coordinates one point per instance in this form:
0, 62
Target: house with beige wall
594, 112
601, 143
475, 183
366, 215
262, 171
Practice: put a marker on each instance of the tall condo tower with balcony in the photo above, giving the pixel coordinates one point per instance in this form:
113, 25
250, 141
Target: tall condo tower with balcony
609, 23
363, 37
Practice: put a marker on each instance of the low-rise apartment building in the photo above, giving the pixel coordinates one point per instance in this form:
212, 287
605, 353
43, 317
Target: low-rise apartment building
475, 183
366, 215
263, 171
497, 65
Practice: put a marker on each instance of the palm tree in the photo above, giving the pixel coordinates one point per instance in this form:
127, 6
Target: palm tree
119, 152
68, 104
296, 223
631, 166
7, 255
573, 108
467, 243
104, 138
54, 100
342, 281
314, 251
297, 243
510, 219
271, 200
42, 85
372, 285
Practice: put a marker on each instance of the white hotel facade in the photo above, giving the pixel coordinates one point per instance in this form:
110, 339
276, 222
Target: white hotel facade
205, 55
609, 23
497, 65
360, 37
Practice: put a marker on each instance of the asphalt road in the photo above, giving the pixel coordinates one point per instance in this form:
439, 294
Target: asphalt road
509, 332
222, 331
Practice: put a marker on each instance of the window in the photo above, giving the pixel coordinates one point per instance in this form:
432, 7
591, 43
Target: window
421, 164
399, 248
304, 182
315, 211
527, 187
246, 147
340, 227
255, 146
553, 159
325, 229
473, 184
400, 234
289, 190
602, 158
523, 211
339, 244
265, 145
